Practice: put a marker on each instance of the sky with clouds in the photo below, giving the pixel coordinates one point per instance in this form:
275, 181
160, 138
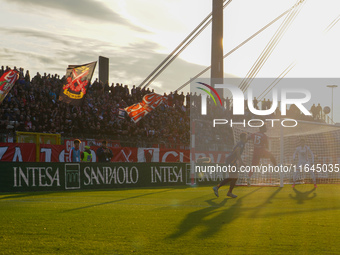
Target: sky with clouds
136, 35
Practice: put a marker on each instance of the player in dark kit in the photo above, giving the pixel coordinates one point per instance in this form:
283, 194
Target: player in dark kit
232, 161
260, 140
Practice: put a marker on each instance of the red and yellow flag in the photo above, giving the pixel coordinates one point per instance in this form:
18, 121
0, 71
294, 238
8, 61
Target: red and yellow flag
137, 111
7, 82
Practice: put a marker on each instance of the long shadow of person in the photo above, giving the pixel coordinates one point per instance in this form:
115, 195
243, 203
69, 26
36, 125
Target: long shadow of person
258, 208
194, 219
213, 225
300, 197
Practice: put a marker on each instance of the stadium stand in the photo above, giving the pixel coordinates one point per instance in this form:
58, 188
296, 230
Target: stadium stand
33, 106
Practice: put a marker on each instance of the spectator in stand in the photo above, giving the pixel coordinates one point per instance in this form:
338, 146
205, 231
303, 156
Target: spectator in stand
134, 91
255, 102
28, 124
171, 99
86, 155
21, 126
227, 104
104, 154
74, 154
264, 104
27, 77
313, 111
182, 98
106, 87
187, 100
176, 99
2, 71
269, 104
318, 111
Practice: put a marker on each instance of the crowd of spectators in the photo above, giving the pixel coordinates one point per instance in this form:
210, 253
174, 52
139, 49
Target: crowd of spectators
33, 106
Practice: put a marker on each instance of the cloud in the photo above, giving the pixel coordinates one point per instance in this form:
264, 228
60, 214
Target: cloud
18, 58
35, 33
136, 61
129, 64
7, 54
86, 8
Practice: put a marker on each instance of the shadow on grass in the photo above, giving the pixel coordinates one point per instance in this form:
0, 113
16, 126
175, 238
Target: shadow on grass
193, 219
23, 195
114, 201
214, 224
300, 197
258, 208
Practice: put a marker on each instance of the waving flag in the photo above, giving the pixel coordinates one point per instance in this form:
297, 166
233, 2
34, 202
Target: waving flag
137, 111
78, 78
7, 81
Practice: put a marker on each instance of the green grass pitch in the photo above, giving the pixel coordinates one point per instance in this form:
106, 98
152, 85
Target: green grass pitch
187, 220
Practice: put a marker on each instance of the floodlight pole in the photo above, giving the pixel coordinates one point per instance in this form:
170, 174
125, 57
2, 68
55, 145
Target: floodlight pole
217, 69
332, 87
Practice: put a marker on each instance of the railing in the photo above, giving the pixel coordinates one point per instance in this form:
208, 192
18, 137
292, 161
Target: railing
327, 118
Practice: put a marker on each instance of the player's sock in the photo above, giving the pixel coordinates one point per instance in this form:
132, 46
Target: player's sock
315, 186
248, 181
314, 180
294, 178
232, 184
293, 185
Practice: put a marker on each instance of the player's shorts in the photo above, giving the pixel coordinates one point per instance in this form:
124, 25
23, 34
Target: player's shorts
258, 154
232, 174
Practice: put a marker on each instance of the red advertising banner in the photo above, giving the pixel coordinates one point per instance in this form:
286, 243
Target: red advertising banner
125, 154
25, 152
17, 152
52, 153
